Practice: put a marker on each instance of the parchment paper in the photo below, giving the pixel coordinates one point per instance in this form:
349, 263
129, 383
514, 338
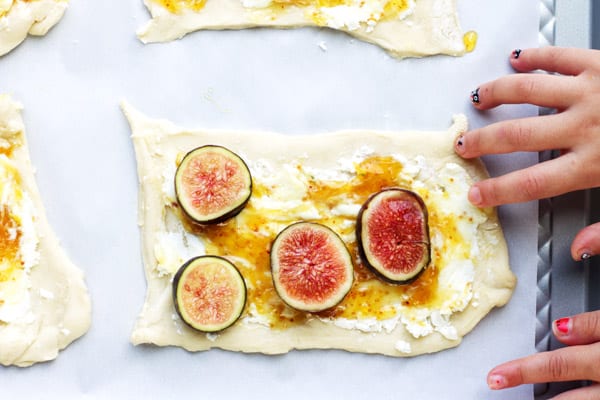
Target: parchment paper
71, 82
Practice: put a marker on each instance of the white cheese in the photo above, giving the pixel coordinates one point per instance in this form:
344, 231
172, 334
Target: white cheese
346, 210
46, 294
173, 249
256, 3
367, 325
403, 347
212, 336
253, 317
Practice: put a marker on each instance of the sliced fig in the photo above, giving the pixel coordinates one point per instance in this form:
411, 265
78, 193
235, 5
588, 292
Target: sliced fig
311, 267
212, 184
392, 232
209, 293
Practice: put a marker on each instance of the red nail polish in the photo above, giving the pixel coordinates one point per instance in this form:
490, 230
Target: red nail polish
563, 326
497, 381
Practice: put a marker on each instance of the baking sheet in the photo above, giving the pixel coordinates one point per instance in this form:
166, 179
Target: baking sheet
70, 83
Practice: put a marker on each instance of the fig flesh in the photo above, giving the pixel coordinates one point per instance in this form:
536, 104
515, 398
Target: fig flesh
209, 293
393, 235
212, 184
311, 267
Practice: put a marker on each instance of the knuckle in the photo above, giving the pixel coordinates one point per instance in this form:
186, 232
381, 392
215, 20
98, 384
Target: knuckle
532, 185
557, 367
589, 324
518, 135
525, 88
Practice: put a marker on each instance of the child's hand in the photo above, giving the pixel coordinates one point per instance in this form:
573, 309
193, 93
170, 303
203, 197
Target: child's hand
574, 129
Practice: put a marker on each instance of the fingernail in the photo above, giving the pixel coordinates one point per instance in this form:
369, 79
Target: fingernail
586, 255
516, 53
475, 196
563, 326
496, 382
475, 96
460, 143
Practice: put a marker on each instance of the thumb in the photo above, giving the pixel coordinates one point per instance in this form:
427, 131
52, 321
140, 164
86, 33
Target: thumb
586, 242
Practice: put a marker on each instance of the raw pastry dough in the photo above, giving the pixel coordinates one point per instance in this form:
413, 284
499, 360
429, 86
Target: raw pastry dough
18, 18
420, 28
44, 303
469, 274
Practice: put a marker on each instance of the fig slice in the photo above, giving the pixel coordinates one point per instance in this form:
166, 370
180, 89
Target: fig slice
212, 184
393, 235
312, 268
209, 293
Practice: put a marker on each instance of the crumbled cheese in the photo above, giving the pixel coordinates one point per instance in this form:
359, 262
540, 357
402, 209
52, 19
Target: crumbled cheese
173, 249
254, 317
212, 336
403, 347
256, 3
46, 294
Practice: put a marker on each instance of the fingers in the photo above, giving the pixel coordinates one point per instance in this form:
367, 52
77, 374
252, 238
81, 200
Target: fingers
584, 393
579, 329
586, 243
527, 134
566, 364
535, 182
539, 89
566, 61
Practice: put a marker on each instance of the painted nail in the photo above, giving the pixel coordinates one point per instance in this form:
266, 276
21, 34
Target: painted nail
460, 141
585, 256
517, 53
496, 382
563, 326
475, 96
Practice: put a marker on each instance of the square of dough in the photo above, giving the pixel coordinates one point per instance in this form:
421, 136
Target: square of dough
44, 303
299, 178
405, 28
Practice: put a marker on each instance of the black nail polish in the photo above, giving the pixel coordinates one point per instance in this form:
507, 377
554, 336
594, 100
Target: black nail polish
586, 256
516, 53
475, 96
460, 142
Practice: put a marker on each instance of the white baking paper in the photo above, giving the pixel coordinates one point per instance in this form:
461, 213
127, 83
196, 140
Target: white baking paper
295, 81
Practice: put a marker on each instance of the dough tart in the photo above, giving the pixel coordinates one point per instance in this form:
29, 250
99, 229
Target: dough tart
44, 303
405, 28
302, 215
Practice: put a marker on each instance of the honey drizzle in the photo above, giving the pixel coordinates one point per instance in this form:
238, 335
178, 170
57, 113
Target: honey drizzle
10, 236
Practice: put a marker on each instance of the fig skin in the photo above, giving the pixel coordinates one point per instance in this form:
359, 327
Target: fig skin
426, 242
343, 287
179, 274
227, 214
